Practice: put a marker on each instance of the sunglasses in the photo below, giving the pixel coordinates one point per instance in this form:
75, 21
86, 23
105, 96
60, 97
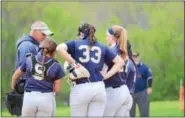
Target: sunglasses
43, 34
135, 56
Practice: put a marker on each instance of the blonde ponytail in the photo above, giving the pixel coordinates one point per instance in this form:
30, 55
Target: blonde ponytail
122, 41
121, 34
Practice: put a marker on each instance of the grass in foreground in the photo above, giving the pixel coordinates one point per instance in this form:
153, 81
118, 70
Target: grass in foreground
159, 108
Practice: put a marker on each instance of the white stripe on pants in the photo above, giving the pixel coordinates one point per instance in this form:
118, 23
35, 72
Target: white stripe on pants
88, 99
119, 101
38, 104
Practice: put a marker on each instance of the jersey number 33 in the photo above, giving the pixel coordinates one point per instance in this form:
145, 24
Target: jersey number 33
86, 54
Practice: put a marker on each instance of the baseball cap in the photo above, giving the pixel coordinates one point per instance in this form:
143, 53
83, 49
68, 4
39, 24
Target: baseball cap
40, 25
136, 54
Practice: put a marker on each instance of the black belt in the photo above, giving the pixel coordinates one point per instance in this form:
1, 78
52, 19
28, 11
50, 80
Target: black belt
37, 91
79, 81
116, 86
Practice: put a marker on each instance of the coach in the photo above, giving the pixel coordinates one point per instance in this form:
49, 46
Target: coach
143, 88
28, 44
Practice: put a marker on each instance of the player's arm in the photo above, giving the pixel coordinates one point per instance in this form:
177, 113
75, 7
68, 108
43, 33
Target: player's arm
57, 82
17, 74
118, 63
62, 50
57, 85
116, 59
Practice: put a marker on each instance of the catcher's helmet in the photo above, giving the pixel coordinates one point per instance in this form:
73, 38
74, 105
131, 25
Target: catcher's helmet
85, 28
19, 85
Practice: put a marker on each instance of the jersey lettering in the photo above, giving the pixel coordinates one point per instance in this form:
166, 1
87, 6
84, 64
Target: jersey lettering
39, 72
86, 54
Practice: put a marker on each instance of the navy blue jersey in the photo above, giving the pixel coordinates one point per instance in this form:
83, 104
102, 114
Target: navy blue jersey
34, 83
92, 59
130, 71
143, 74
119, 78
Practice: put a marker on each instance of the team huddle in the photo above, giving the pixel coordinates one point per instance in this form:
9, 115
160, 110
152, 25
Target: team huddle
102, 77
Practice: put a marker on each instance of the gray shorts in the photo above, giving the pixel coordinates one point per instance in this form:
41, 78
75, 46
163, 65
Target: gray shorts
38, 104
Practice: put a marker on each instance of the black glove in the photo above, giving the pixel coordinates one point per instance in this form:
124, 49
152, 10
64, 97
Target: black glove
13, 102
19, 85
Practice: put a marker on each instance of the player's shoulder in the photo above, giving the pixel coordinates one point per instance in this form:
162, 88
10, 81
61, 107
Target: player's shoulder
69, 41
80, 41
56, 65
101, 45
145, 66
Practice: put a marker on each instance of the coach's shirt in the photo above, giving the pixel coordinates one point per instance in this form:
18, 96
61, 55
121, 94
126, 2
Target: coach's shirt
119, 78
142, 77
131, 75
25, 45
92, 59
46, 84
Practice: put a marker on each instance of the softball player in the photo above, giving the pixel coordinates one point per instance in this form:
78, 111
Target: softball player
119, 100
88, 96
43, 81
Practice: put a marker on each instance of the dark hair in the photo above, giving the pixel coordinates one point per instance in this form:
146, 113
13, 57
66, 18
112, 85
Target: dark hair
89, 31
91, 35
129, 50
47, 46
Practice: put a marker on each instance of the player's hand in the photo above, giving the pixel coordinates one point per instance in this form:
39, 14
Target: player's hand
103, 73
149, 91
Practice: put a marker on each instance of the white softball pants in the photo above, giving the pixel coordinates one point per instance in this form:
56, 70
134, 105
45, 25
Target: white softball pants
119, 101
37, 104
88, 99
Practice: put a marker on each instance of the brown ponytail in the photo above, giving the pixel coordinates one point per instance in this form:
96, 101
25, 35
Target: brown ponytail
91, 35
47, 46
121, 36
44, 53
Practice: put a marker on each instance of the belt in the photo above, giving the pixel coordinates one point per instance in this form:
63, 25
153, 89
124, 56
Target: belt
79, 81
116, 86
37, 91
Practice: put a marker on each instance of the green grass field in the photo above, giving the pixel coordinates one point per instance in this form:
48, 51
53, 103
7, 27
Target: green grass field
162, 108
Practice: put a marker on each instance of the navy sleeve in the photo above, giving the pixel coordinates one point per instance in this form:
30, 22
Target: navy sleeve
70, 47
60, 73
109, 55
23, 66
131, 79
148, 73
